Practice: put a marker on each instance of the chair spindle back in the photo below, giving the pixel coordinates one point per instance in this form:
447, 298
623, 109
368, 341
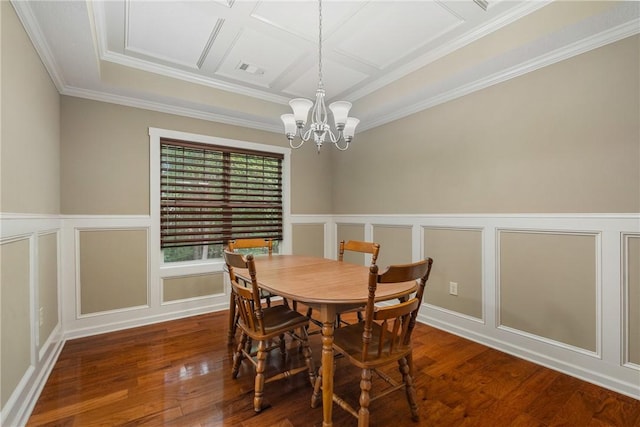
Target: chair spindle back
396, 321
247, 298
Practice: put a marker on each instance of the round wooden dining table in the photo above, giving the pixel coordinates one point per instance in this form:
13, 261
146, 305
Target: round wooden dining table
329, 286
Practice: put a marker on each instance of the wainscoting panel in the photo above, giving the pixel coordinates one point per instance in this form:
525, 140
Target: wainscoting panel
114, 279
604, 254
113, 269
192, 286
17, 320
545, 287
631, 265
459, 259
548, 286
30, 333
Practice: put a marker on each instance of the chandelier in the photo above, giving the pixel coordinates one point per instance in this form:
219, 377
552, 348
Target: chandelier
294, 124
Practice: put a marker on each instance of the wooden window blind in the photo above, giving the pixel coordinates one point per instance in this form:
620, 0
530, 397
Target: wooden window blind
210, 194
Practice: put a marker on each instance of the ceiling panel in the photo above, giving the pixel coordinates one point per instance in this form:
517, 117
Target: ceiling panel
301, 18
271, 60
174, 32
387, 33
336, 79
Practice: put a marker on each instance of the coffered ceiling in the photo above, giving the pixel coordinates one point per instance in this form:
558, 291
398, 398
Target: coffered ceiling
240, 61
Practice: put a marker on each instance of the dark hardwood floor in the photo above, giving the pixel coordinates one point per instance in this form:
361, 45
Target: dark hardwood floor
178, 373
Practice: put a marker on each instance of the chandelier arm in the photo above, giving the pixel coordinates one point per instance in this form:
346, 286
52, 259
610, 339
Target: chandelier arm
319, 112
296, 146
306, 135
337, 144
334, 138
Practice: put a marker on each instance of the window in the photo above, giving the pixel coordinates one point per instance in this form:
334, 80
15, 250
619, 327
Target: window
212, 193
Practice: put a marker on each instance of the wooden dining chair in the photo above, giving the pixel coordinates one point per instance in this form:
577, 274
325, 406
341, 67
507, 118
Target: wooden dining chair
266, 326
351, 246
244, 246
239, 244
383, 337
361, 247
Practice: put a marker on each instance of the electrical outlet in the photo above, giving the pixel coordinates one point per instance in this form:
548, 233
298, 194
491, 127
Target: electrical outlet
453, 288
41, 316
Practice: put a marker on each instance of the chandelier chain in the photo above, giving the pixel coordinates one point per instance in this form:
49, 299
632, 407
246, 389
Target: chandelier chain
320, 43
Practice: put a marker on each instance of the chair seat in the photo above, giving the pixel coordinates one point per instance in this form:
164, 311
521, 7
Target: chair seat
348, 341
277, 319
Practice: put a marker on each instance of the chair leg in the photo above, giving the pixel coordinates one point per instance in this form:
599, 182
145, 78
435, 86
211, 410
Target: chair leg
317, 394
308, 360
233, 320
259, 382
410, 390
238, 355
283, 347
410, 363
365, 398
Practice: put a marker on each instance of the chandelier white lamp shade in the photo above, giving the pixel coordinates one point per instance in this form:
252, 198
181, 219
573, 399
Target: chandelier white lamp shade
319, 128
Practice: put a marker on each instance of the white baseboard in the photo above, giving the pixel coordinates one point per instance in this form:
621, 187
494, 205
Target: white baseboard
142, 321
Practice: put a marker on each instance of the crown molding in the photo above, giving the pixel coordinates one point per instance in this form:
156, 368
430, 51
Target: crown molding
235, 120
139, 64
29, 22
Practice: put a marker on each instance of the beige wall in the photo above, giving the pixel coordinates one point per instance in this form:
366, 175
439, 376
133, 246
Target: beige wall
564, 138
113, 268
192, 286
308, 239
105, 158
30, 149
457, 258
547, 286
15, 315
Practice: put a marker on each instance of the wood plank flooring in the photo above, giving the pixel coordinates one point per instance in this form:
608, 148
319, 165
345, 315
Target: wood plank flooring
178, 373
